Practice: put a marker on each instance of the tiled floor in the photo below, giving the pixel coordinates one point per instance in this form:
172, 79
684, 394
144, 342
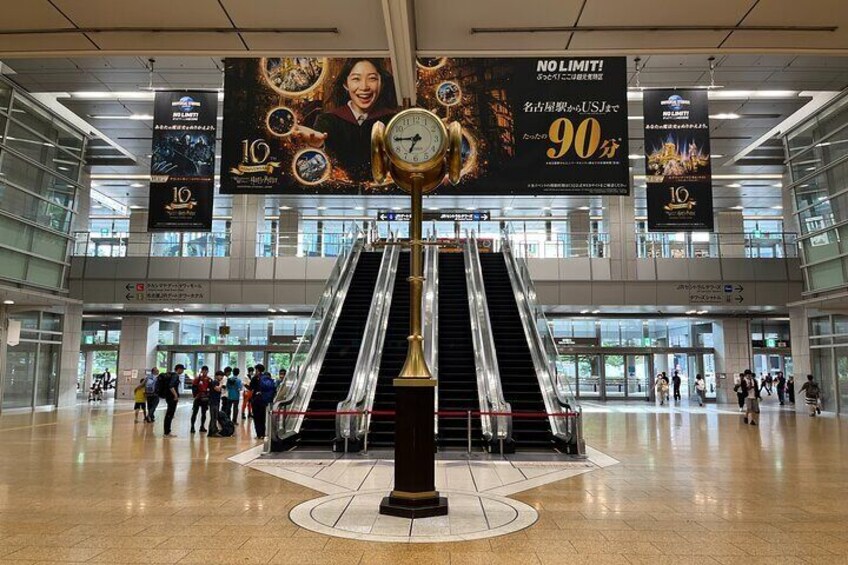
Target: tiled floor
692, 487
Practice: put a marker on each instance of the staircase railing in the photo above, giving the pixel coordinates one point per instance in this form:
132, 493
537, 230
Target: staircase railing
294, 394
564, 412
430, 309
353, 418
495, 417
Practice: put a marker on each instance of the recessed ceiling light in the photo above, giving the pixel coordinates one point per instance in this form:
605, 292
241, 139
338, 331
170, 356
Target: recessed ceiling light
716, 155
584, 311
778, 185
272, 310
282, 310
136, 117
137, 185
702, 312
321, 208
508, 208
178, 310
433, 208
584, 208
690, 312
169, 310
470, 208
734, 185
360, 208
635, 157
134, 207
737, 208
285, 207
725, 116
8, 302
596, 311
777, 207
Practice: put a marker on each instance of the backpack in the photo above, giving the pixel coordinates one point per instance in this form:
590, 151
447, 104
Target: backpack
150, 385
225, 426
163, 385
813, 390
267, 389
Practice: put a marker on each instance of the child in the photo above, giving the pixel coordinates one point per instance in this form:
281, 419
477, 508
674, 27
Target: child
140, 395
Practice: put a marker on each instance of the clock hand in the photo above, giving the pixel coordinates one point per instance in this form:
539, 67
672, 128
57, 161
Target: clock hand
414, 140
403, 138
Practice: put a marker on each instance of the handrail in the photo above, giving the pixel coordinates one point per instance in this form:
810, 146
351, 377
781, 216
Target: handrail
430, 309
352, 423
296, 391
490, 394
557, 392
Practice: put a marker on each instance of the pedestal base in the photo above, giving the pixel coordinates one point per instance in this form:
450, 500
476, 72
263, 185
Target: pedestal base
414, 508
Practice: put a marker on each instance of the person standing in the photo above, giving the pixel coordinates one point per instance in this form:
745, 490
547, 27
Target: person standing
234, 386
168, 386
247, 404
225, 399
752, 396
140, 399
701, 389
675, 380
790, 389
740, 394
780, 384
281, 378
215, 388
200, 390
150, 394
811, 396
263, 388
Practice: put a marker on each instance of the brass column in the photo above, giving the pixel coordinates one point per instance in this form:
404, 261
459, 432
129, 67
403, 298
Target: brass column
415, 366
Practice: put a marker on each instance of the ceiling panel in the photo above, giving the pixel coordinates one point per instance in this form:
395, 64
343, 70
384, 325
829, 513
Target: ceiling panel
32, 14
655, 12
446, 24
21, 43
159, 42
144, 13
629, 40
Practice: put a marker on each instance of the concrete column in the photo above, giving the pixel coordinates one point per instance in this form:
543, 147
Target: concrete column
71, 338
620, 221
578, 229
139, 337
289, 224
732, 342
139, 242
248, 216
729, 225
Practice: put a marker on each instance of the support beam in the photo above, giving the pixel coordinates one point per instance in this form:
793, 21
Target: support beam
400, 32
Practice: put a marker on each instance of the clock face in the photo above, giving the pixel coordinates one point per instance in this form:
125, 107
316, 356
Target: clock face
416, 137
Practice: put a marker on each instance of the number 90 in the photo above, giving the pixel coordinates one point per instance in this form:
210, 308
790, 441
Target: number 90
586, 139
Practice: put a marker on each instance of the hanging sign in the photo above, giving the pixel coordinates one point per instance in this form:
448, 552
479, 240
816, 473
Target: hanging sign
677, 160
433, 216
182, 165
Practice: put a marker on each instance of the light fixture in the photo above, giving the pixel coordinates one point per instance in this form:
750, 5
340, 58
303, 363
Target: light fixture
285, 207
282, 310
470, 208
137, 185
690, 312
321, 208
433, 208
702, 312
134, 117
179, 310
584, 208
272, 310
734, 185
778, 185
508, 208
635, 157
360, 208
136, 207
737, 208
596, 311
716, 155
8, 302
725, 116
395, 208
169, 310
584, 311
777, 207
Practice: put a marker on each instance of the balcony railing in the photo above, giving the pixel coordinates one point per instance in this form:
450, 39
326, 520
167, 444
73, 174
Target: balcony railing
158, 244
697, 245
299, 244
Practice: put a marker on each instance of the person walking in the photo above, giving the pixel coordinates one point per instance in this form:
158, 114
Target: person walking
752, 396
701, 389
780, 385
675, 380
168, 388
740, 394
234, 386
661, 388
767, 382
200, 390
150, 395
215, 389
246, 404
811, 396
263, 388
790, 389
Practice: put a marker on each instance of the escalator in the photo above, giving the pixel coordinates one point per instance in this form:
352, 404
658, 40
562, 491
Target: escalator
457, 375
334, 379
382, 428
517, 373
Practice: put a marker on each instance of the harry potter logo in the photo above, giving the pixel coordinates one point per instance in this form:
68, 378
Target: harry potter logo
679, 199
254, 158
183, 200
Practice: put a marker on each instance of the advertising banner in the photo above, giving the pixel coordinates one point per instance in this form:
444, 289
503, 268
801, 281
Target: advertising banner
302, 125
677, 160
534, 126
182, 164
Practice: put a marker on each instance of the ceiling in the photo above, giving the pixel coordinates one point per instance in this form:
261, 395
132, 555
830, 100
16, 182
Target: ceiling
68, 46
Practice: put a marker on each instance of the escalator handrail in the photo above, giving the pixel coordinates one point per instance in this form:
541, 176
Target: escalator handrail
430, 316
363, 385
489, 388
540, 341
296, 391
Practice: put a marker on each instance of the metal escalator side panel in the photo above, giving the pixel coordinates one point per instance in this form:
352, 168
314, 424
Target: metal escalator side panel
295, 396
360, 398
430, 310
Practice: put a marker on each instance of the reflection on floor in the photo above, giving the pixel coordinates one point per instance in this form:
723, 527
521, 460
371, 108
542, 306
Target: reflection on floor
692, 486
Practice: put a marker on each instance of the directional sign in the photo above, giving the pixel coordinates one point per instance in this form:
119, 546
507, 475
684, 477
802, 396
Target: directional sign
167, 292
713, 293
432, 216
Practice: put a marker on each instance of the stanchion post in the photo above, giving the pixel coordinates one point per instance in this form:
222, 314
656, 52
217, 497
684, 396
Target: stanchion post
468, 427
367, 429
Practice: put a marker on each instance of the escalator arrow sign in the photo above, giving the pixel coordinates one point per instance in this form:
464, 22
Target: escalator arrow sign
739, 299
739, 288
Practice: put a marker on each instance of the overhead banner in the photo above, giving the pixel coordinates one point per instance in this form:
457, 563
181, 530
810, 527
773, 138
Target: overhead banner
182, 164
677, 160
531, 126
302, 125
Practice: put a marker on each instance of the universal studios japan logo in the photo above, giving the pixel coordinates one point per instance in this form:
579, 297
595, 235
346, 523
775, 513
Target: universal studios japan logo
187, 108
675, 107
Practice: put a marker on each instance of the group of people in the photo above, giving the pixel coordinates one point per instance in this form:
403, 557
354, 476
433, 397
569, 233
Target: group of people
749, 393
217, 396
662, 386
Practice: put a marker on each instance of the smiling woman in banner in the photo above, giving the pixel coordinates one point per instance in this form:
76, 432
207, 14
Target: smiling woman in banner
363, 93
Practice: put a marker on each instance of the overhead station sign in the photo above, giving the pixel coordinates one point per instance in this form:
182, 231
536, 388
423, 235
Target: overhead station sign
433, 216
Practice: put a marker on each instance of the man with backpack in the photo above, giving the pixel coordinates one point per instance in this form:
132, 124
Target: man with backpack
264, 390
150, 395
168, 388
200, 390
811, 396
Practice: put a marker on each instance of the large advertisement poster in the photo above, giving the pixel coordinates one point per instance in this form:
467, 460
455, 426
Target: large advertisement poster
534, 126
302, 125
182, 164
677, 160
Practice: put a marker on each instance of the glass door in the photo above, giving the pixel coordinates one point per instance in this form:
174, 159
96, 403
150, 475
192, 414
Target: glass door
278, 360
588, 376
615, 385
639, 377
708, 366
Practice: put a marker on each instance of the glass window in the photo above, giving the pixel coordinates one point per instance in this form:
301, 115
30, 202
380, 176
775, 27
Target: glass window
48, 374
678, 334
24, 174
610, 336
12, 265
20, 375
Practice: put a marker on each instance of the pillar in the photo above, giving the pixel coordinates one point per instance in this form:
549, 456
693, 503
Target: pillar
620, 224
139, 337
4, 321
82, 210
248, 217
139, 238
288, 223
578, 231
799, 341
69, 367
732, 343
730, 226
